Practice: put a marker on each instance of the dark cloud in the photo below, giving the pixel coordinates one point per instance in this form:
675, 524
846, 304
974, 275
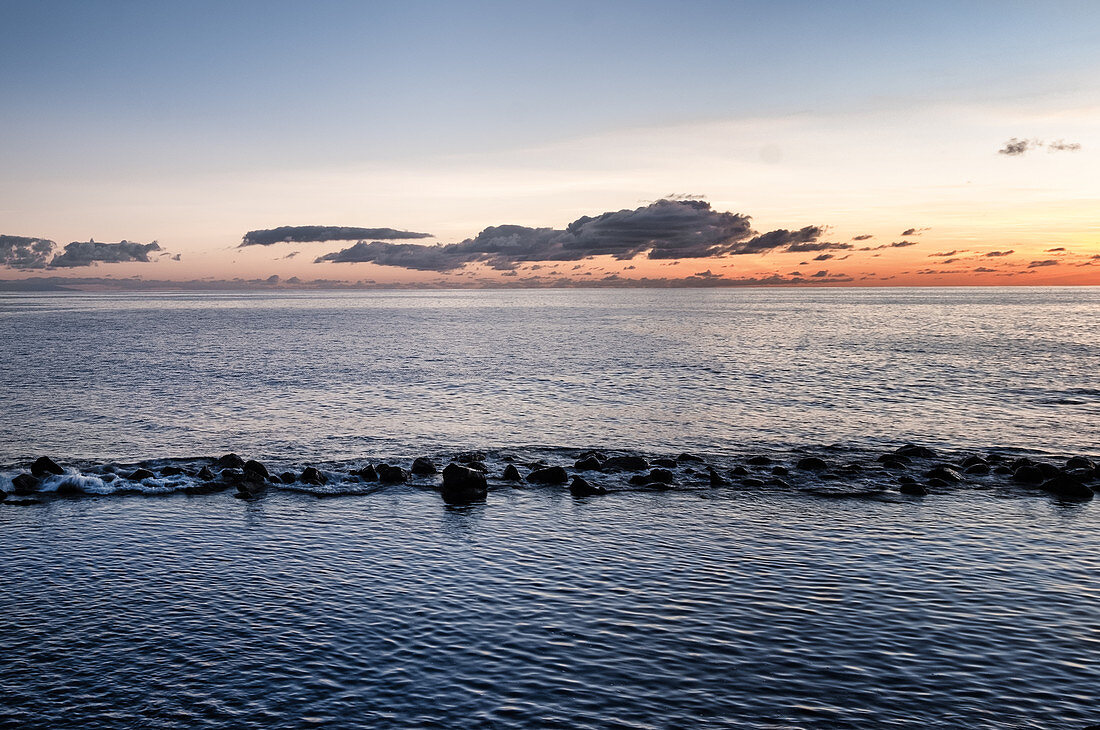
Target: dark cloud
666, 229
984, 270
316, 234
1016, 147
1037, 264
1061, 146
995, 254
913, 231
863, 237
823, 257
819, 246
901, 244
1052, 250
22, 252
87, 253
943, 253
820, 275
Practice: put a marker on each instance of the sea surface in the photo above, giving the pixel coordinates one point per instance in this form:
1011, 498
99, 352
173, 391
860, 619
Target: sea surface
822, 599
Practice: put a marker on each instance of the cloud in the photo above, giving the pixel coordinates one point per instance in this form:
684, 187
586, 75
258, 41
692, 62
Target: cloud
901, 244
665, 229
87, 253
1016, 147
22, 252
819, 246
823, 257
984, 270
316, 234
1037, 264
913, 231
863, 237
1052, 250
943, 253
995, 254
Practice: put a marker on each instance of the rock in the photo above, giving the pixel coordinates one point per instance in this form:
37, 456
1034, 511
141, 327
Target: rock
548, 475
1049, 470
368, 473
667, 463
1079, 462
780, 471
1002, 469
828, 476
248, 483
68, 489
717, 480
758, 461
913, 489
171, 471
981, 468
310, 475
588, 463
944, 472
205, 474
1028, 474
581, 487
23, 502
138, 474
752, 482
1081, 475
254, 467
781, 483
467, 456
229, 461
462, 484
423, 466
626, 463
477, 466
852, 468
812, 463
388, 474
44, 465
739, 471
511, 473
24, 484
689, 457
660, 476
906, 480
288, 477
1066, 487
894, 464
912, 450
938, 483
899, 458
972, 461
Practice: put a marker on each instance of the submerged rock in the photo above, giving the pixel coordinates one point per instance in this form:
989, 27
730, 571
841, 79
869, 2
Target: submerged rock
780, 471
752, 482
389, 474
913, 489
205, 474
656, 477
812, 463
229, 461
667, 463
423, 466
981, 468
1066, 487
758, 460
944, 472
626, 463
900, 458
588, 463
138, 474
44, 466
717, 480
548, 475
463, 484
1079, 462
171, 471
913, 450
24, 484
739, 471
689, 457
310, 475
1028, 473
581, 487
511, 474
288, 477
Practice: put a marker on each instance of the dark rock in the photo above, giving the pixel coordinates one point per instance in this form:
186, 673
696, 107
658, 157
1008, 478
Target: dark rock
978, 468
1079, 462
667, 463
423, 466
938, 483
662, 476
780, 471
548, 475
467, 456
1028, 474
1049, 470
368, 473
626, 463
1066, 487
973, 461
588, 463
1021, 461
288, 477
229, 461
256, 467
717, 480
912, 450
581, 487
206, 487
171, 471
44, 465
389, 474
752, 482
24, 484
852, 468
138, 474
914, 489
1002, 469
994, 458
944, 472
310, 475
1081, 475
899, 458
812, 463
462, 484
477, 466
781, 483
22, 502
739, 471
894, 464
205, 474
758, 461
511, 474
906, 480
828, 476
68, 489
689, 457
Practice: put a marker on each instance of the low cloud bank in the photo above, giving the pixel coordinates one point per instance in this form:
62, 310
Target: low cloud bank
87, 253
23, 252
317, 234
665, 229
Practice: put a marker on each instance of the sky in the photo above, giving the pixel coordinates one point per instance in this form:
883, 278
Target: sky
551, 144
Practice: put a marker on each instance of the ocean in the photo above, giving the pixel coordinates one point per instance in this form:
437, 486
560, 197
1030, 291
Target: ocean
746, 590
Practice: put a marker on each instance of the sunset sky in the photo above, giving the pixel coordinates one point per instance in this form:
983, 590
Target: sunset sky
897, 143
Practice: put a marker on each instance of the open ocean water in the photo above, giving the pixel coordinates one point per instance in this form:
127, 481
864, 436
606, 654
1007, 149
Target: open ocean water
816, 600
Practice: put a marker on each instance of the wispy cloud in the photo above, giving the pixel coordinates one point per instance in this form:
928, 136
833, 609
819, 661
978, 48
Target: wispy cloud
1016, 147
317, 234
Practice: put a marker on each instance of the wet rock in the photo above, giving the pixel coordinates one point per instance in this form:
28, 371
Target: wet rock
1066, 487
689, 457
852, 468
1002, 469
389, 474
828, 476
899, 458
1079, 462
944, 472
905, 479
368, 473
912, 450
758, 461
980, 468
1049, 470
894, 464
781, 483
138, 474
752, 482
229, 461
660, 476
973, 461
467, 456
666, 463
24, 484
1028, 474
511, 474
44, 466
913, 489
581, 487
938, 483
22, 502
205, 474
717, 480
812, 463
249, 484
1081, 475
3, 496
780, 471
462, 484
626, 463
69, 489
288, 477
254, 467
548, 475
206, 488
739, 471
423, 466
171, 471
310, 475
588, 463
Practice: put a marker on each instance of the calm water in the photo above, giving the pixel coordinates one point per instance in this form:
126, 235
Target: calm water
976, 607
